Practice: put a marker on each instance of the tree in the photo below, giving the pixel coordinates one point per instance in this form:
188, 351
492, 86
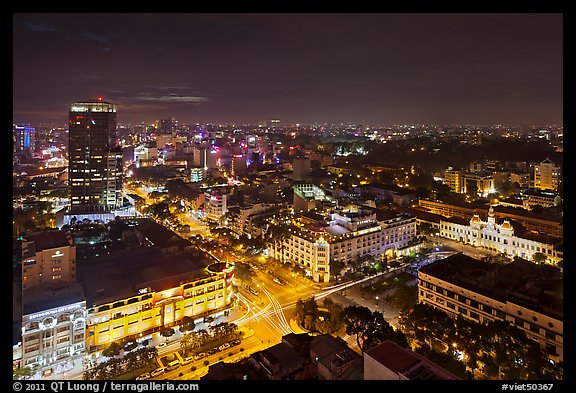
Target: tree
112, 350
187, 324
130, 345
300, 312
422, 192
217, 331
167, 332
187, 342
472, 192
370, 327
23, 372
539, 257
515, 188
426, 229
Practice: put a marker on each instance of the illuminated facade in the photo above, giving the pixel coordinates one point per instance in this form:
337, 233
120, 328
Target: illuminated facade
500, 237
24, 138
94, 170
214, 205
343, 235
528, 296
546, 175
153, 310
532, 197
533, 222
53, 327
308, 196
453, 179
142, 290
53, 306
197, 174
482, 184
48, 260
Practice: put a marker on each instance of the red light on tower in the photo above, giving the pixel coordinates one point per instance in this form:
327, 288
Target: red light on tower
100, 99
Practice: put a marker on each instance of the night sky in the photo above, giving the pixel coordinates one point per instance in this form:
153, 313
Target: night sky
379, 69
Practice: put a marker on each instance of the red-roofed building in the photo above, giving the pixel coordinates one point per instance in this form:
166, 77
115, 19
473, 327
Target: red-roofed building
388, 361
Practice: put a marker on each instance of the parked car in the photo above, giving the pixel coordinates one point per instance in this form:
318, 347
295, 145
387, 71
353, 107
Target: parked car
187, 360
158, 371
213, 351
234, 342
173, 367
224, 346
200, 355
142, 377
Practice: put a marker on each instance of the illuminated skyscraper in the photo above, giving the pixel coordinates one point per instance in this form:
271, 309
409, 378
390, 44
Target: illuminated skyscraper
24, 138
95, 172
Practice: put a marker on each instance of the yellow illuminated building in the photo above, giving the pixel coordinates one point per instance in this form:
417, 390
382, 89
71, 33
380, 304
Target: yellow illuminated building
130, 296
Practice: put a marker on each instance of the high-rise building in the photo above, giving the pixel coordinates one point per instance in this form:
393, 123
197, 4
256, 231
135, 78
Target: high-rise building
94, 169
206, 157
239, 167
166, 126
24, 138
301, 169
197, 174
214, 205
453, 179
546, 175
53, 306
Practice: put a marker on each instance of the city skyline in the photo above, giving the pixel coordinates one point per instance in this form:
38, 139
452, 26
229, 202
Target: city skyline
306, 68
287, 197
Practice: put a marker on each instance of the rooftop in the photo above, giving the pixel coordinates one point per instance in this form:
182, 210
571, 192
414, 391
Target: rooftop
536, 287
121, 274
38, 299
159, 235
407, 363
46, 240
421, 214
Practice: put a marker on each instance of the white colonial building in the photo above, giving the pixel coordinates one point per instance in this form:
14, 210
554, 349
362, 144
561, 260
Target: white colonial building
501, 237
343, 235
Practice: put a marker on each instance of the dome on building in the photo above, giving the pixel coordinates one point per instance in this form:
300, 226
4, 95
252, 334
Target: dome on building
476, 218
491, 211
506, 225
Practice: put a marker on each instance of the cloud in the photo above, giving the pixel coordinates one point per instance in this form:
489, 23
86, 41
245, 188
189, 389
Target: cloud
159, 87
160, 96
94, 37
39, 28
177, 99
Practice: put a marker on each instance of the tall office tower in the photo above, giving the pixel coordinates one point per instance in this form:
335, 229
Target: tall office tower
166, 126
94, 168
546, 175
24, 138
206, 157
239, 167
200, 153
301, 169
